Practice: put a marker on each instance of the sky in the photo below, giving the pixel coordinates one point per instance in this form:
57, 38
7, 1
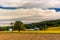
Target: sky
30, 3
28, 11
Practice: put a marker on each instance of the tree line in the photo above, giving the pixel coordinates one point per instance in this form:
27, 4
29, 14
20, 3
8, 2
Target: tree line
19, 25
44, 24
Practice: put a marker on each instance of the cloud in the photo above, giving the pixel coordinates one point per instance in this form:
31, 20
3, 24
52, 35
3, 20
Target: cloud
30, 3
33, 13
28, 15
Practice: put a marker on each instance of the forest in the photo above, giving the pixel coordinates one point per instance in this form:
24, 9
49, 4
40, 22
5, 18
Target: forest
44, 24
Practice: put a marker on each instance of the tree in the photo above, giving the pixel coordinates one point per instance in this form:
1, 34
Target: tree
18, 25
12, 25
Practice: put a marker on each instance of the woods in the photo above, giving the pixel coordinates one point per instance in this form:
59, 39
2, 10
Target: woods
44, 25
19, 25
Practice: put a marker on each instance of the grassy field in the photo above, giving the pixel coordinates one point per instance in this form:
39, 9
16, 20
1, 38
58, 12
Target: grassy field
49, 34
53, 29
49, 30
52, 33
31, 32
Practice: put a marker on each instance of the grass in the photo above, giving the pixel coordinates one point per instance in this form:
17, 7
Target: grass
32, 32
53, 29
47, 31
49, 34
39, 32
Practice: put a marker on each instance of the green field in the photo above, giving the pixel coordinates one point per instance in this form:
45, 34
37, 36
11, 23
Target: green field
31, 32
53, 29
49, 30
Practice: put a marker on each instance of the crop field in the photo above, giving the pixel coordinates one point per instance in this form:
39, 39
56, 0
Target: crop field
20, 36
53, 29
49, 34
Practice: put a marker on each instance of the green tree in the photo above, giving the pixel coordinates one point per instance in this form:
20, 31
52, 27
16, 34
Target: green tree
18, 25
12, 25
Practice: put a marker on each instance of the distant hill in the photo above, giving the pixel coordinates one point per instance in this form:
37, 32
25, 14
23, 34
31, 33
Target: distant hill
44, 24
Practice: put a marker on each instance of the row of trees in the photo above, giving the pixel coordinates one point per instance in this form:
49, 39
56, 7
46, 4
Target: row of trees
44, 25
18, 25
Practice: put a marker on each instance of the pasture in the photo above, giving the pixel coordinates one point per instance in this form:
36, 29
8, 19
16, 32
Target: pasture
49, 34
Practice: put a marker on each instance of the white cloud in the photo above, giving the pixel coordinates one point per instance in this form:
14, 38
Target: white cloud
28, 15
30, 3
35, 14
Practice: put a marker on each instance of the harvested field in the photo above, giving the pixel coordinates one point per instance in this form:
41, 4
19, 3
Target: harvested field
29, 36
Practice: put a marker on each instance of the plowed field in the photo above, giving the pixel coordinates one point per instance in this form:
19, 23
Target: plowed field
29, 36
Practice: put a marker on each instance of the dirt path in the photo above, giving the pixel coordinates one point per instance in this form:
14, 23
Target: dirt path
29, 36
